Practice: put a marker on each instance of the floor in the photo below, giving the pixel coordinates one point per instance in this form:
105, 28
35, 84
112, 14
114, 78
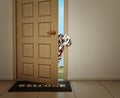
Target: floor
80, 89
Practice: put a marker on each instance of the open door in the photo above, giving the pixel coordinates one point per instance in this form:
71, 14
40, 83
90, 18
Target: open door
37, 41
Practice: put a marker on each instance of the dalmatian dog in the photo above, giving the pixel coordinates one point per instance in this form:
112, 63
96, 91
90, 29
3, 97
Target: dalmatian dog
63, 40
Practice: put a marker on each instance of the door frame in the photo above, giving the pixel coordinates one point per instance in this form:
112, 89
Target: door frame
14, 20
66, 32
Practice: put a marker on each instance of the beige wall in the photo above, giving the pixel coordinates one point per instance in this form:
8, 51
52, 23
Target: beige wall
94, 26
6, 40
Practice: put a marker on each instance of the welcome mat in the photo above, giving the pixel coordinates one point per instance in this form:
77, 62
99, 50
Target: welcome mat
26, 86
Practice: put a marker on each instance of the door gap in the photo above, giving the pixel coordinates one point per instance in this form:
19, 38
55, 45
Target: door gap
61, 31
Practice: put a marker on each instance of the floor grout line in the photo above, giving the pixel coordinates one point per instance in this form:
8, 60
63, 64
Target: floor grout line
7, 88
73, 90
38, 94
106, 88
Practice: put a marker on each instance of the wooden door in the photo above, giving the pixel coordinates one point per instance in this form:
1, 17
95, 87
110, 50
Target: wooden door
37, 40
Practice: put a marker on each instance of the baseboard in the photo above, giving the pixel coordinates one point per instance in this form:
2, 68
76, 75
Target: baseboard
93, 77
78, 77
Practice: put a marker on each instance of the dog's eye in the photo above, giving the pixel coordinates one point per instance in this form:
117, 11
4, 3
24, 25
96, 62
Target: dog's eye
63, 40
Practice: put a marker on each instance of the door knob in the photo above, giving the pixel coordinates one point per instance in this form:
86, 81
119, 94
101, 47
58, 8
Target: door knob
51, 32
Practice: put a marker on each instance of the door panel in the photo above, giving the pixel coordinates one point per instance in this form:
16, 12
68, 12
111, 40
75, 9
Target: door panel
36, 48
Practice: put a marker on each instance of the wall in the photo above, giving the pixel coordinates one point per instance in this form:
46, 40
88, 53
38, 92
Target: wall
6, 40
94, 26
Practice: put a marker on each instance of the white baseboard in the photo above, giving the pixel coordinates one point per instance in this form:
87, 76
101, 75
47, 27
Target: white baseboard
94, 77
75, 77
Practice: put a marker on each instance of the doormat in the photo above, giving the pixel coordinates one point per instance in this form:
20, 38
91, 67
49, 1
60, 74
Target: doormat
26, 86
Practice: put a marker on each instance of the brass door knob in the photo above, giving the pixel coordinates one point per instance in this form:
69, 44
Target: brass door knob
51, 32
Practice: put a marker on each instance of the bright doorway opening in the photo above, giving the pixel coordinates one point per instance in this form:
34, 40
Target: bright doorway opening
61, 31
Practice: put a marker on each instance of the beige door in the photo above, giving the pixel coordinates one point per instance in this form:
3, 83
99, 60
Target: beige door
37, 40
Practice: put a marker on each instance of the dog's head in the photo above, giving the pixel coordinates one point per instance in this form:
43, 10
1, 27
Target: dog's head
64, 40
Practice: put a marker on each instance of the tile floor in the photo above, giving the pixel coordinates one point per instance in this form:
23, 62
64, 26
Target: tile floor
80, 89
